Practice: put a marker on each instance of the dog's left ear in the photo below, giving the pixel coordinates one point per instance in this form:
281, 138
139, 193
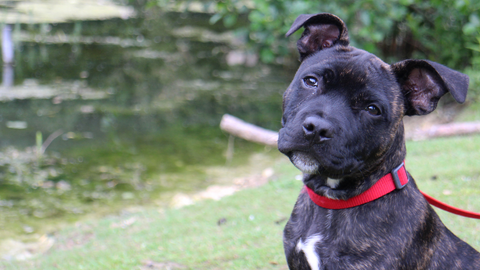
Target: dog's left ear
424, 82
322, 31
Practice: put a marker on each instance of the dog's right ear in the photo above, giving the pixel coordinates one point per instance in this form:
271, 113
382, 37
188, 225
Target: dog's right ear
322, 31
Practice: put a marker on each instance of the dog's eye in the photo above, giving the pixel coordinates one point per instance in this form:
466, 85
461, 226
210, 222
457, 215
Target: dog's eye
373, 110
310, 81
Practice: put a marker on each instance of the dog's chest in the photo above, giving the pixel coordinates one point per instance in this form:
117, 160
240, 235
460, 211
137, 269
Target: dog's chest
308, 249
328, 239
318, 251
311, 246
313, 252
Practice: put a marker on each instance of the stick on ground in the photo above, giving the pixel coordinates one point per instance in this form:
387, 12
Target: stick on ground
250, 132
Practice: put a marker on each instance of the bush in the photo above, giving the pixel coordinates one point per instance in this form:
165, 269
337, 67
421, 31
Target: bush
435, 30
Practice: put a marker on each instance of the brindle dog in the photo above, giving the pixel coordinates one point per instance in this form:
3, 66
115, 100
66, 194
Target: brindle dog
342, 127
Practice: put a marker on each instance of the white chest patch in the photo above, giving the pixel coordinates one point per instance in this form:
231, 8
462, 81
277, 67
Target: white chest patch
333, 183
308, 249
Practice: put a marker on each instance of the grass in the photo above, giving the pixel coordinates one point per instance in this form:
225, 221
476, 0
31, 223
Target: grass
252, 220
449, 169
471, 112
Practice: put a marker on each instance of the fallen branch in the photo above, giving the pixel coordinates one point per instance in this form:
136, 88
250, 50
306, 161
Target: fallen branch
249, 132
446, 130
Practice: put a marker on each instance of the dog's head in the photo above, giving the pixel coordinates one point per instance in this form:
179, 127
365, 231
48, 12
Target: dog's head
342, 113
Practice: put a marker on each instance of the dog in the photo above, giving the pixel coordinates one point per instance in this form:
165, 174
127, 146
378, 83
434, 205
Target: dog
342, 127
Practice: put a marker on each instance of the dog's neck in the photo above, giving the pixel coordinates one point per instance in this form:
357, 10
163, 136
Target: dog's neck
395, 180
353, 185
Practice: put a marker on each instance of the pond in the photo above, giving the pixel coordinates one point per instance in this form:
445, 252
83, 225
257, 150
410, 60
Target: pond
99, 115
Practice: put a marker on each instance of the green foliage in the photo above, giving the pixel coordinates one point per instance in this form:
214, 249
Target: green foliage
436, 30
474, 86
474, 71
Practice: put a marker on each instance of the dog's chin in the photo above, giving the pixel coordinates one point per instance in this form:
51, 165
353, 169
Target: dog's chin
305, 162
313, 166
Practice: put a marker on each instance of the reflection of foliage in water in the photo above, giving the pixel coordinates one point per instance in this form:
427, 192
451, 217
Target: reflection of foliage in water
21, 168
31, 185
38, 186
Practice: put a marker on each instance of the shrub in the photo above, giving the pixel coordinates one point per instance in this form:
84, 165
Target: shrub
435, 30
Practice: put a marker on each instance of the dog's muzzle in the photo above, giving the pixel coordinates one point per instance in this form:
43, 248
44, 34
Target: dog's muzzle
297, 138
304, 162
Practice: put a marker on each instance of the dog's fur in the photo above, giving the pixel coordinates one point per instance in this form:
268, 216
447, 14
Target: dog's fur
342, 126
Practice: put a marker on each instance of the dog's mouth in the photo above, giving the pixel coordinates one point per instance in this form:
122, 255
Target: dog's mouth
304, 162
331, 166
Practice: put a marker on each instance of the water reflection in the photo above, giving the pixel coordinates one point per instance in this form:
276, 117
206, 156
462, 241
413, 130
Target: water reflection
7, 76
116, 112
8, 53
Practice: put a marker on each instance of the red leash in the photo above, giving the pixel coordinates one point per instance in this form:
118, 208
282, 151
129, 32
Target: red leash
449, 208
397, 179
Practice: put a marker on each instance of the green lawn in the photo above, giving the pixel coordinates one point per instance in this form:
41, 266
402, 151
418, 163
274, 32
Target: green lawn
250, 236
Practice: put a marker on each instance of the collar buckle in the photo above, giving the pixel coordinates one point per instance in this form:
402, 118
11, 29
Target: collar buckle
396, 178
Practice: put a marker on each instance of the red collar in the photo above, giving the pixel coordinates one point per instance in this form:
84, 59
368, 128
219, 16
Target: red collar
397, 179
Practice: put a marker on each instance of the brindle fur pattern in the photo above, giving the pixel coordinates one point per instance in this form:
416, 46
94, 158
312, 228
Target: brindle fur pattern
328, 132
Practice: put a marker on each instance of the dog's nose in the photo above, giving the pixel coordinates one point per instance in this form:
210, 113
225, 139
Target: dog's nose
317, 129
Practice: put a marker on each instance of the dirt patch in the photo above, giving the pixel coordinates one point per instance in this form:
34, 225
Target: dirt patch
216, 192
149, 265
230, 180
17, 250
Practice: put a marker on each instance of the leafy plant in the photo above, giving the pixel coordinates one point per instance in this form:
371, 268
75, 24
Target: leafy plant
436, 30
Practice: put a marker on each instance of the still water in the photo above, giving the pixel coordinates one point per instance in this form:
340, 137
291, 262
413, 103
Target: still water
99, 115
